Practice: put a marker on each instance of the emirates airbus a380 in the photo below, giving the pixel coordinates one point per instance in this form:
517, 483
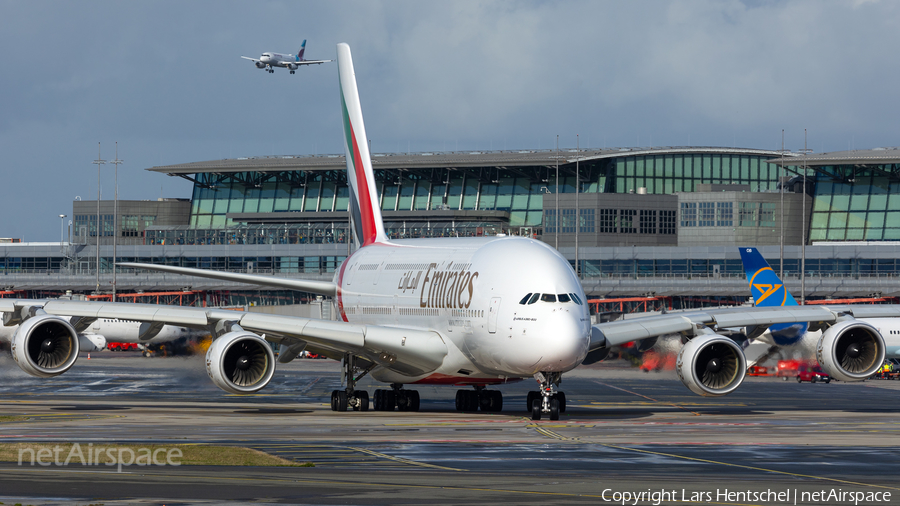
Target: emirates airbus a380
470, 312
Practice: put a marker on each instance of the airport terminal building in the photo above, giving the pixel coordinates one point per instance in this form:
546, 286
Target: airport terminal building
634, 221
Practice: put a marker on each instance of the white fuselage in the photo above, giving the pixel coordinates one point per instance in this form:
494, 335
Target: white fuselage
278, 59
469, 292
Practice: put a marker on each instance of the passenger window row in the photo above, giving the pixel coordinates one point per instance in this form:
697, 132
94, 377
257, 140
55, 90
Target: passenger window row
531, 298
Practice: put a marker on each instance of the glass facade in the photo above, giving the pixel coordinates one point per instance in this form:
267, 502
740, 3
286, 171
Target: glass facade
855, 204
216, 195
516, 190
670, 173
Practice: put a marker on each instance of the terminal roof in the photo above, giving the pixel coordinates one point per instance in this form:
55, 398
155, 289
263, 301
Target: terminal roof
454, 159
877, 156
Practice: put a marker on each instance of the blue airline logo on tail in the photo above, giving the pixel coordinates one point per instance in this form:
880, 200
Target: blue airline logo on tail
768, 290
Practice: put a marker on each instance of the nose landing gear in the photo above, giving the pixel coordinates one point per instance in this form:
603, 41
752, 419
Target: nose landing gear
547, 400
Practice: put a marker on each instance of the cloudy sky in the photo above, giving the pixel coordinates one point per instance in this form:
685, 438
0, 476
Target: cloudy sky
166, 81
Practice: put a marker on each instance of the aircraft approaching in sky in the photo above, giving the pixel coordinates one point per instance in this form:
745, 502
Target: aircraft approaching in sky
768, 290
289, 61
470, 312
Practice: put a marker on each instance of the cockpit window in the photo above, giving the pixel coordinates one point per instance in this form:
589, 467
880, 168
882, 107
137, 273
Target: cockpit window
576, 298
534, 298
548, 297
524, 299
563, 297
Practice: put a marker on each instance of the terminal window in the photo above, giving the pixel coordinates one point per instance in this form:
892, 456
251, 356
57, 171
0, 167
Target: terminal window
707, 214
667, 222
724, 214
587, 220
626, 221
648, 221
688, 214
607, 221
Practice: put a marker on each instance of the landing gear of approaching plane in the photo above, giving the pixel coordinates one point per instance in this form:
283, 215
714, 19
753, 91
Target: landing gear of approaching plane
292, 72
548, 399
473, 400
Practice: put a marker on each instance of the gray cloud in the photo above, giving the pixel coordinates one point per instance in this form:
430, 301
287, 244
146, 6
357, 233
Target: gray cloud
166, 81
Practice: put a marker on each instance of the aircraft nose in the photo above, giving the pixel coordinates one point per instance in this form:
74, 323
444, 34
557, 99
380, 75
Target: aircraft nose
567, 341
559, 345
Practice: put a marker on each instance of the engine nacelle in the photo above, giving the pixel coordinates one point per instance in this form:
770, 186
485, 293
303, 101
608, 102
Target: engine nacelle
240, 362
260, 65
292, 66
711, 365
91, 342
851, 350
45, 346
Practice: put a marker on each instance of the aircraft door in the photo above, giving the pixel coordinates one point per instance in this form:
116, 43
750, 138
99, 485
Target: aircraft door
492, 315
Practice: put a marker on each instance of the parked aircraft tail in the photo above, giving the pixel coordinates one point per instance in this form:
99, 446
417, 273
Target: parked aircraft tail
365, 212
768, 290
766, 287
302, 50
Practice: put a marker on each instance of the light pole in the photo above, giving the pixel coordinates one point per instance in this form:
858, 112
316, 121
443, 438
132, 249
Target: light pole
577, 210
781, 186
803, 225
61, 224
115, 162
99, 161
556, 216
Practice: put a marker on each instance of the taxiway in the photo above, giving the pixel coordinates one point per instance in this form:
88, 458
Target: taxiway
624, 430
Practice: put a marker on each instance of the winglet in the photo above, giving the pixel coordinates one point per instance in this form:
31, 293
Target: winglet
765, 286
302, 49
368, 227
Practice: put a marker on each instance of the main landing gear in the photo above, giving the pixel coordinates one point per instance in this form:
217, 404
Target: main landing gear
349, 397
397, 396
473, 400
547, 400
292, 72
384, 400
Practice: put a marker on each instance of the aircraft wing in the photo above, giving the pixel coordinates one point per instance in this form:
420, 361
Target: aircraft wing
309, 62
251, 59
407, 351
319, 287
690, 322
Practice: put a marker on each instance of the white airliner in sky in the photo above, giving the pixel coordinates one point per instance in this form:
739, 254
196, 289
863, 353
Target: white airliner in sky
289, 61
471, 312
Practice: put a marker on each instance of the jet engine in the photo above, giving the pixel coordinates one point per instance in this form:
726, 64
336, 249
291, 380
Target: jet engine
292, 66
260, 65
240, 362
45, 346
711, 365
851, 350
91, 342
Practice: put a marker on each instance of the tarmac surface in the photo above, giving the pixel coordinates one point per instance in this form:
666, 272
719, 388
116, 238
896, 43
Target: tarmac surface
625, 432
